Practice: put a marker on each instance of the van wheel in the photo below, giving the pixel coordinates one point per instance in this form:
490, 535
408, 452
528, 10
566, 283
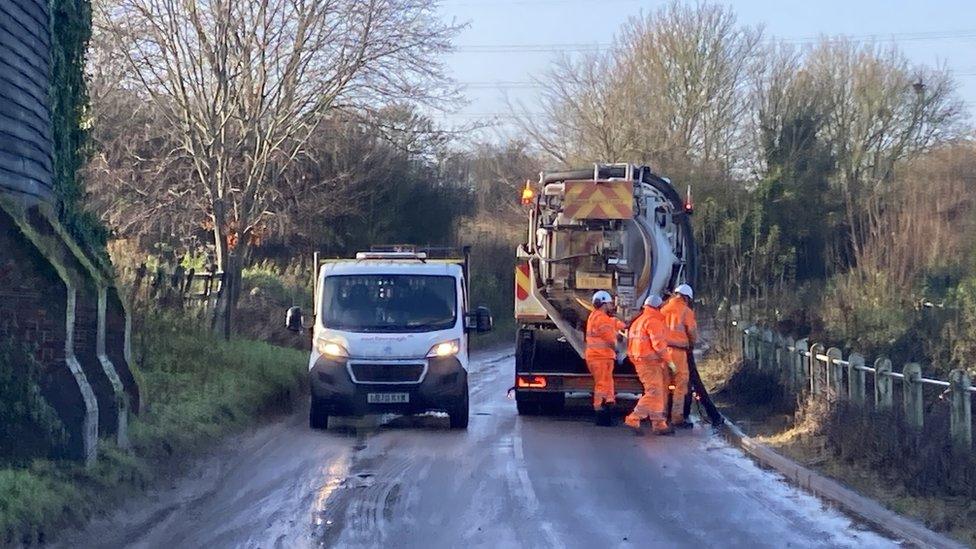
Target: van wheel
459, 413
317, 417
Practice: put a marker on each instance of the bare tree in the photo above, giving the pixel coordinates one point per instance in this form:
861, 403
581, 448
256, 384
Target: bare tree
674, 92
580, 120
246, 83
880, 111
688, 74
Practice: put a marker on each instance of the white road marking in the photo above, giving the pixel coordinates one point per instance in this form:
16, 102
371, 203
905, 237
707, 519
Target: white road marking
528, 491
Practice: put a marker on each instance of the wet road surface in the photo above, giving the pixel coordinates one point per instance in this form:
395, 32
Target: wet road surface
505, 482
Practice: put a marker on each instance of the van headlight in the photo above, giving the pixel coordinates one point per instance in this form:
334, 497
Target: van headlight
332, 350
445, 349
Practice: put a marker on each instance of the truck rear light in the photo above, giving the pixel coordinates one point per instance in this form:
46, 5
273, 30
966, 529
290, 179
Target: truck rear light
531, 382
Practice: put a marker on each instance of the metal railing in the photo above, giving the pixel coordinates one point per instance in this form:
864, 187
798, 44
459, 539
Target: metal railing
813, 369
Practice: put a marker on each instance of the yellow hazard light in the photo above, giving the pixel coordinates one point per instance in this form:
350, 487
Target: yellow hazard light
531, 382
527, 193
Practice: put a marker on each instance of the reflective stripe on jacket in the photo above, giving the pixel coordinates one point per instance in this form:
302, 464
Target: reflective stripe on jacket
647, 339
681, 321
601, 335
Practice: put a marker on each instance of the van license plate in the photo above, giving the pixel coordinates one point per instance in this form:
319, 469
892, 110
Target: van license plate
388, 398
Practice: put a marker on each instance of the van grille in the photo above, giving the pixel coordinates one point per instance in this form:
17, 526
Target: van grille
386, 373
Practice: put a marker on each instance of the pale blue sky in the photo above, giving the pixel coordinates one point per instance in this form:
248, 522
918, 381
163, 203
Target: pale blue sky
937, 31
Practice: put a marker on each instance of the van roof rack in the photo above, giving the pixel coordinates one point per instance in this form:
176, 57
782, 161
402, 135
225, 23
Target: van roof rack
430, 252
419, 256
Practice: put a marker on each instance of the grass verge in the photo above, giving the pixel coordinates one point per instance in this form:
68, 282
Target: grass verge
868, 452
196, 388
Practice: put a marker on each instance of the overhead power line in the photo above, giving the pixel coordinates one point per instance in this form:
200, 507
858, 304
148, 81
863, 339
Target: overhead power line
528, 84
533, 3
600, 46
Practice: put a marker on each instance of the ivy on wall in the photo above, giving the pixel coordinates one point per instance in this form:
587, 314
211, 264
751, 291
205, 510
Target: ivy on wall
29, 427
71, 24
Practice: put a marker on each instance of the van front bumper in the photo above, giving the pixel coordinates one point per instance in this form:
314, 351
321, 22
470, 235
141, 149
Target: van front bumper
441, 387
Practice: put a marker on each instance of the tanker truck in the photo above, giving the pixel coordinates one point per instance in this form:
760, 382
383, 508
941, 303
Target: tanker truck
617, 227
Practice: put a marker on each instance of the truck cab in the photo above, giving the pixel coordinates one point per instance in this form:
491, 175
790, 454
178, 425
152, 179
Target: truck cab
390, 335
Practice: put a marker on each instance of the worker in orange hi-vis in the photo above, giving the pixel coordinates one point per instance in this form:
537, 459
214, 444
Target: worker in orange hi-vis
601, 354
680, 319
647, 347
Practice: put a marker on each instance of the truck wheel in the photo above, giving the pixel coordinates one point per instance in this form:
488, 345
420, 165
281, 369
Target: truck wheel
317, 417
528, 405
552, 404
549, 404
459, 413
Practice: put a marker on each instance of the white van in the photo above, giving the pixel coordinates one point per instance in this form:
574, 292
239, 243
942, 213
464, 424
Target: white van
390, 335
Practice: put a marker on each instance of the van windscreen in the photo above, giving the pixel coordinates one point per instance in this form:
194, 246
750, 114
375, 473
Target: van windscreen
389, 303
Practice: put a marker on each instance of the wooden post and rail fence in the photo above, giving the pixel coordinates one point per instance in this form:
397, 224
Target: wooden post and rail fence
812, 369
176, 287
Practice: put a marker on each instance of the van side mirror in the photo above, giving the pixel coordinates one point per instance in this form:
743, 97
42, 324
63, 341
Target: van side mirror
479, 320
294, 319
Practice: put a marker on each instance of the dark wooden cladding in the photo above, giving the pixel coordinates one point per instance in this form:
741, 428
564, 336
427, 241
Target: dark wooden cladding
25, 117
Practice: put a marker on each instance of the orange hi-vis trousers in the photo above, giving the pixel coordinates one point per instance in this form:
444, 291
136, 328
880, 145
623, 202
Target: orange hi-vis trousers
653, 375
680, 382
603, 390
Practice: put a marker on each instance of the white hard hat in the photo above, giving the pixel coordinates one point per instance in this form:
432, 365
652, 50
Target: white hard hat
653, 300
685, 290
602, 297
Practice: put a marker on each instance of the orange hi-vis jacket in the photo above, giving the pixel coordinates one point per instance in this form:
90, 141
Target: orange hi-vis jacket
601, 336
680, 319
647, 338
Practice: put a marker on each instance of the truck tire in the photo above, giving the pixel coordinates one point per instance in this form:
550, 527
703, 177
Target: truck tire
553, 404
317, 417
549, 404
459, 413
526, 405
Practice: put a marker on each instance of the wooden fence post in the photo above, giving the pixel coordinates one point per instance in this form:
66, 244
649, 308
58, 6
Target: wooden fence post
800, 365
787, 364
743, 341
961, 417
835, 372
157, 284
816, 377
856, 386
760, 348
187, 284
883, 385
912, 393
769, 350
757, 347
747, 341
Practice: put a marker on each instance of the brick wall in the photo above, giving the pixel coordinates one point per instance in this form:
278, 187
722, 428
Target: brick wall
33, 309
85, 345
115, 346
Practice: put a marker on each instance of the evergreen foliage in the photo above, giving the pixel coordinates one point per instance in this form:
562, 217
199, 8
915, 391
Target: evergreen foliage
71, 25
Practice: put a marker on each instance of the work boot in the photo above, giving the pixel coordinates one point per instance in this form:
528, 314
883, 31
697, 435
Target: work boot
684, 424
604, 415
663, 428
634, 423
